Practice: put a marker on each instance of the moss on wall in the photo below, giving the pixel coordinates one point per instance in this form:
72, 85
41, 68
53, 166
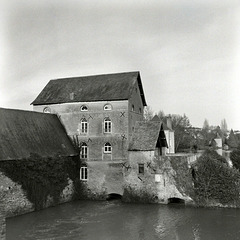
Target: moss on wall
139, 195
42, 178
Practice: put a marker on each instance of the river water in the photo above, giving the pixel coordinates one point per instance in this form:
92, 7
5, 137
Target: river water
114, 220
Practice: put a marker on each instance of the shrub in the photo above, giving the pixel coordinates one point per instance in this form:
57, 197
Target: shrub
215, 181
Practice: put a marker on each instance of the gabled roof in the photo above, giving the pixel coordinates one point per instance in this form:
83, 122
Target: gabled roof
107, 87
157, 119
25, 132
147, 135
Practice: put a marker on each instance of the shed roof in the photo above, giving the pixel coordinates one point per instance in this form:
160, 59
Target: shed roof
110, 87
25, 132
146, 136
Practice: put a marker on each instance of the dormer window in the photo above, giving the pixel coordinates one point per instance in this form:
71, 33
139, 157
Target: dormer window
107, 107
84, 108
47, 110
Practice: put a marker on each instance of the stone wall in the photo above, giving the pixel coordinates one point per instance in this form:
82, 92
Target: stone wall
163, 178
104, 178
2, 221
13, 200
135, 114
13, 197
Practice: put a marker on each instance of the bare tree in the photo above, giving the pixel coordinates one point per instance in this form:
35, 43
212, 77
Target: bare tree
206, 124
148, 113
161, 115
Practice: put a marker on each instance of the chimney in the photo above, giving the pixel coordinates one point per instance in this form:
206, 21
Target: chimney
169, 122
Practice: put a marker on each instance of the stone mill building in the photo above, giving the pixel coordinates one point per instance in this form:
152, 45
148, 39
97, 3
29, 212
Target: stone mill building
99, 113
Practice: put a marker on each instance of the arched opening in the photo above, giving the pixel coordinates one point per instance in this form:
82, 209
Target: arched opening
114, 196
176, 200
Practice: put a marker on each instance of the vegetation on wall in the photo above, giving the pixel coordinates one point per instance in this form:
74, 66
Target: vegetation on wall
215, 182
182, 176
139, 195
42, 178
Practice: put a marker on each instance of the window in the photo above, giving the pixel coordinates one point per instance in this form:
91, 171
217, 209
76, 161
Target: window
83, 173
47, 110
141, 168
84, 108
107, 107
107, 125
71, 95
84, 151
107, 148
84, 126
132, 107
140, 110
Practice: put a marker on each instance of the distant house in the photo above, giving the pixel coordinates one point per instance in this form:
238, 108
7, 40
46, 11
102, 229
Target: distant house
217, 143
25, 132
148, 144
99, 111
169, 133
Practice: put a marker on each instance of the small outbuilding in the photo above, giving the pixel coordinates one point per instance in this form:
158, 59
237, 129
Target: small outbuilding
148, 143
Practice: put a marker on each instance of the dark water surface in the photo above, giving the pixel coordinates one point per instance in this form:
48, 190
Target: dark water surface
121, 221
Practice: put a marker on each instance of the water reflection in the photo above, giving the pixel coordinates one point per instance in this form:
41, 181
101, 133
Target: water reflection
116, 221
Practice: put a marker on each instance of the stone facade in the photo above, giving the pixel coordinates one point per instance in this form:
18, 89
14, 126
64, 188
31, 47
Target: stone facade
95, 138
161, 178
104, 178
122, 115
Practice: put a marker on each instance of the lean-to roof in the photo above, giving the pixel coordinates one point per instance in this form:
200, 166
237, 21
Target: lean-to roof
25, 132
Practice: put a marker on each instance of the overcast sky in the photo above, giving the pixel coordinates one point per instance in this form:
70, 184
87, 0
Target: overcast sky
187, 52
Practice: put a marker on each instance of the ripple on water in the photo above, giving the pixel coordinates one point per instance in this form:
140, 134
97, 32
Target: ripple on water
88, 220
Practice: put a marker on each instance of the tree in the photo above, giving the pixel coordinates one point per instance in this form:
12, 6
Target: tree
180, 125
148, 113
235, 158
224, 126
206, 125
232, 140
161, 115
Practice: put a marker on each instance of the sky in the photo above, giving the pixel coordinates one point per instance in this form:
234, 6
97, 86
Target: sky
187, 52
